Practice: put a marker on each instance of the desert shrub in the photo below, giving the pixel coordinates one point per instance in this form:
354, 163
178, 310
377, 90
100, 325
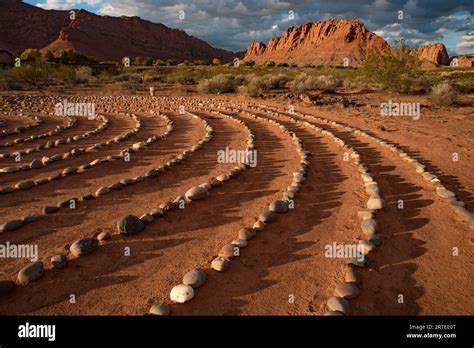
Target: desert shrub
293, 65
250, 90
216, 61
186, 62
303, 83
398, 72
171, 62
9, 83
358, 82
30, 54
38, 73
127, 77
160, 62
182, 79
83, 74
283, 65
444, 94
154, 78
65, 74
222, 83
200, 62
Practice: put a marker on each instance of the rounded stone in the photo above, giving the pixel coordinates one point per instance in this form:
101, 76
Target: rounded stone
258, 226
246, 233
241, 243
84, 246
219, 264
215, 183
351, 275
444, 193
223, 178
229, 251
181, 293
69, 170
347, 290
103, 236
195, 278
102, 191
147, 218
372, 188
370, 227
279, 206
49, 209
130, 224
375, 202
11, 225
366, 246
268, 217
25, 184
160, 309
59, 261
157, 212
36, 164
365, 214
333, 314
30, 273
196, 193
339, 304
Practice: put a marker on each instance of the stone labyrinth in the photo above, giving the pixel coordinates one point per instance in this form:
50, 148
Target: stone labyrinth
132, 213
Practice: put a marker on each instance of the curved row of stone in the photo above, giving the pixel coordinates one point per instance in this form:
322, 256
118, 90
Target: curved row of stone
196, 278
24, 185
45, 160
27, 184
58, 142
71, 122
449, 196
370, 227
36, 122
81, 247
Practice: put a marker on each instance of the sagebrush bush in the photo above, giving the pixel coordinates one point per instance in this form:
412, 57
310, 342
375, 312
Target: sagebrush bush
222, 83
83, 74
303, 83
399, 72
444, 94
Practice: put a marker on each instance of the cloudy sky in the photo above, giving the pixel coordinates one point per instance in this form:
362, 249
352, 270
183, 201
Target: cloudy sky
232, 24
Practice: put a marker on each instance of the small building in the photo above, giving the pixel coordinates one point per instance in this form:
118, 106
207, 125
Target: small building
7, 59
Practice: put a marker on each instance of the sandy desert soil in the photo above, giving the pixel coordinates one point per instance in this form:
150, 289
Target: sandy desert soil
425, 257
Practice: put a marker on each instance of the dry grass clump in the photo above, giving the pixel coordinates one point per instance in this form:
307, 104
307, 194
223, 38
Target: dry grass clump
444, 94
303, 84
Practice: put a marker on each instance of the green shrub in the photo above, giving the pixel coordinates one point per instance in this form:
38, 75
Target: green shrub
200, 62
250, 90
444, 94
38, 73
184, 79
65, 74
283, 65
216, 61
303, 83
222, 83
83, 74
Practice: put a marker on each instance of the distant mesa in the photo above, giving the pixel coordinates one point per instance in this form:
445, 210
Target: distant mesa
334, 42
104, 38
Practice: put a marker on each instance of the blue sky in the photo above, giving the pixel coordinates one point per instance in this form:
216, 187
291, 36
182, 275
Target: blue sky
233, 24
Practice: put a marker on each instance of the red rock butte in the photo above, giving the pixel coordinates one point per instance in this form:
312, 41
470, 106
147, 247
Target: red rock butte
320, 43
